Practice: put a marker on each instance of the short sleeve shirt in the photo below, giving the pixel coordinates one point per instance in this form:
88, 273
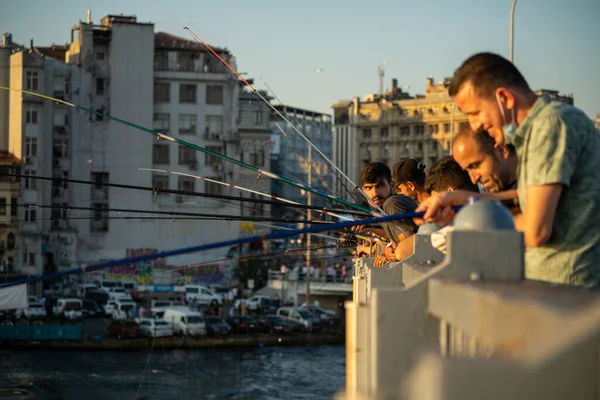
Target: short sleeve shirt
398, 204
557, 143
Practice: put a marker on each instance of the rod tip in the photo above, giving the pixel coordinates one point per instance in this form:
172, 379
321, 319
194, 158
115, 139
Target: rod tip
186, 28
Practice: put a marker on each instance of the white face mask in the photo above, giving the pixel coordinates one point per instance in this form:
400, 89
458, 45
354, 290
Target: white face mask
509, 129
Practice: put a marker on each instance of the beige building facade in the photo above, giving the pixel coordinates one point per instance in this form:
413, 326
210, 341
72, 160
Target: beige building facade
393, 127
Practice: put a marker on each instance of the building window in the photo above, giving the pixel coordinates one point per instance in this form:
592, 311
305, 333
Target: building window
160, 182
187, 124
29, 182
2, 205
99, 116
211, 187
213, 126
66, 120
160, 153
212, 160
100, 179
404, 131
419, 130
214, 94
14, 207
447, 128
99, 86
100, 221
31, 117
186, 184
366, 133
186, 155
384, 132
31, 80
67, 86
187, 93
28, 258
30, 147
161, 60
435, 129
10, 241
60, 148
162, 92
258, 117
185, 61
258, 158
162, 123
420, 146
100, 56
29, 214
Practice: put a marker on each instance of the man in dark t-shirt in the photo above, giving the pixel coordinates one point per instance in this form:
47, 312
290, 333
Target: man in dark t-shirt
376, 182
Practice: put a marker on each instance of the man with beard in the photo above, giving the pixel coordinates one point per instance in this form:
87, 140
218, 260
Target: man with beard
558, 176
493, 166
376, 182
409, 177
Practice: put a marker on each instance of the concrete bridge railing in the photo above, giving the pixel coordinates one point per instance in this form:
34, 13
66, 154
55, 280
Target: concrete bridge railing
422, 328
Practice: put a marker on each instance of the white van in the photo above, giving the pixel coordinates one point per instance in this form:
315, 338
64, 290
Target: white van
106, 285
185, 321
201, 295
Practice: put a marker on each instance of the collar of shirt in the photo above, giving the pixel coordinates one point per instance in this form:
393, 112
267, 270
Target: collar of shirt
541, 102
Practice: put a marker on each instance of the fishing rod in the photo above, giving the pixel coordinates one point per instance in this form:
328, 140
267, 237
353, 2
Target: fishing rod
279, 114
164, 136
186, 193
210, 246
340, 180
231, 185
175, 213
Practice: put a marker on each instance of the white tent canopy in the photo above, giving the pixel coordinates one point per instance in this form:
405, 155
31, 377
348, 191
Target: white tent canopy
13, 297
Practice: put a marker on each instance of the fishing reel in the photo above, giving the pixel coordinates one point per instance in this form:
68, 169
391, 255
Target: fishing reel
348, 239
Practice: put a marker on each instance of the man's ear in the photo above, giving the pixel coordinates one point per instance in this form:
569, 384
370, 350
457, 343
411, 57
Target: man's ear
451, 189
501, 151
411, 186
506, 97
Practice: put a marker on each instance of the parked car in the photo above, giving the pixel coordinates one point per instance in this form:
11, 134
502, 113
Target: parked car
97, 295
69, 308
123, 329
185, 321
106, 285
90, 308
34, 311
83, 288
109, 307
327, 317
201, 295
273, 324
122, 310
155, 327
216, 326
298, 316
262, 304
243, 324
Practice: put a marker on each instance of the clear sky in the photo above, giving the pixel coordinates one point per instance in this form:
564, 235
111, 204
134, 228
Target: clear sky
284, 41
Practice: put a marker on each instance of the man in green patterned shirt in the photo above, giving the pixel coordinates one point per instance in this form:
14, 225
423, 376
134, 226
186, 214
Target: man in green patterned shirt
558, 151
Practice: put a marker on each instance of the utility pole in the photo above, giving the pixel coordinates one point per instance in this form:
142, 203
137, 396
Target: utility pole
381, 72
309, 201
512, 29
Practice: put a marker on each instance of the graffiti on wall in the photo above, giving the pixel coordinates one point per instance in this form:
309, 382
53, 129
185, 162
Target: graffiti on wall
141, 272
63, 246
200, 273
